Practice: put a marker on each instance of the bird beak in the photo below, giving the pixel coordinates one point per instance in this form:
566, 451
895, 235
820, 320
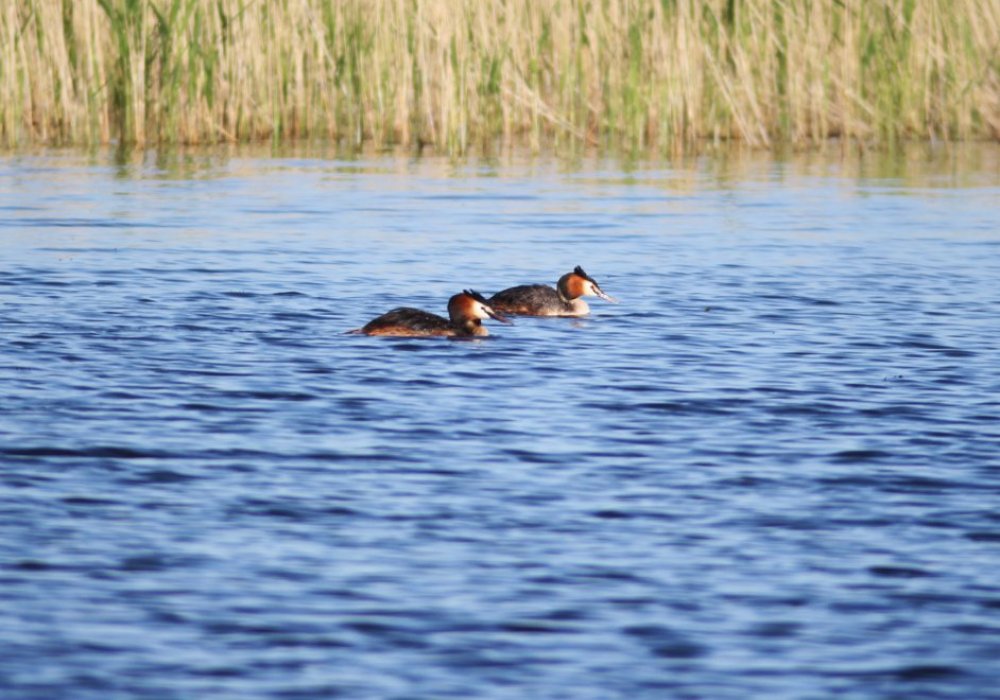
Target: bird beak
607, 297
496, 315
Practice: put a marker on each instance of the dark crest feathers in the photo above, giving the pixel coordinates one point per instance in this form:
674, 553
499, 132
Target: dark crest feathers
475, 295
579, 270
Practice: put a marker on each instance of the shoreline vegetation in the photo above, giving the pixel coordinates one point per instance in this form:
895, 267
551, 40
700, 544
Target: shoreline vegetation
454, 75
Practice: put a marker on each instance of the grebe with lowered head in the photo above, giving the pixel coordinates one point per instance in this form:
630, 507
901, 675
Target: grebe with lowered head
466, 312
543, 300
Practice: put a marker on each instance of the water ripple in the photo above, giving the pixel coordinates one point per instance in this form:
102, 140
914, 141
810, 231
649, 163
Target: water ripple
771, 471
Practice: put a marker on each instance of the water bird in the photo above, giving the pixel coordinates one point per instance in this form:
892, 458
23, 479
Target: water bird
543, 300
466, 312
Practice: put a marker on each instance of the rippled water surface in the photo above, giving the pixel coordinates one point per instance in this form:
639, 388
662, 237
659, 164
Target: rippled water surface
773, 470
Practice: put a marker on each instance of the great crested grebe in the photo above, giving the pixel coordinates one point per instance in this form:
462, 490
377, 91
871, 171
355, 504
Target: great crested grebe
543, 300
466, 312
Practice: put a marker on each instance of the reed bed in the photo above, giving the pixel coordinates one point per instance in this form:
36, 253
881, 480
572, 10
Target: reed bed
644, 74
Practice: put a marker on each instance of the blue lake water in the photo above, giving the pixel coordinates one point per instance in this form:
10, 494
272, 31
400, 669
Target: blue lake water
773, 470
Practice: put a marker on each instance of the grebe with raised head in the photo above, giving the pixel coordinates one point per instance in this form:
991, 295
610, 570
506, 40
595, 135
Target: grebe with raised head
543, 300
466, 312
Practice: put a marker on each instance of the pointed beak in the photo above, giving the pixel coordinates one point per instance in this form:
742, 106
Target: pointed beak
496, 315
607, 297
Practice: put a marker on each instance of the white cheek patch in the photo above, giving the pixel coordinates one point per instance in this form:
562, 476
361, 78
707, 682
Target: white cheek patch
481, 311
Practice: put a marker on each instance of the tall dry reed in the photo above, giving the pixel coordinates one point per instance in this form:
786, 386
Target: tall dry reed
642, 74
